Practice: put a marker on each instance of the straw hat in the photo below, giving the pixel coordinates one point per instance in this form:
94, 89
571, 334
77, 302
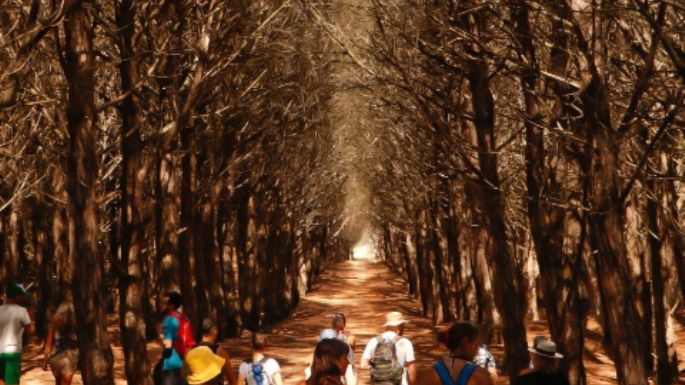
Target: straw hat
394, 318
203, 365
546, 348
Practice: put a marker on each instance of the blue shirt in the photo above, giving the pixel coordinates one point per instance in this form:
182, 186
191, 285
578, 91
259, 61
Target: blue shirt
170, 326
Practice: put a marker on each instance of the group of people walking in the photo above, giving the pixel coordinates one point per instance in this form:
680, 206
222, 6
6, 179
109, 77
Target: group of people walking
389, 357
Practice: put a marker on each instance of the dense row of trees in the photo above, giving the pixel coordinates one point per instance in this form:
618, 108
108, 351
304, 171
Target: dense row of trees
535, 155
508, 153
149, 146
548, 129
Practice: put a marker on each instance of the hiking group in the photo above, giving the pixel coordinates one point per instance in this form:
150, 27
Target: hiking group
389, 357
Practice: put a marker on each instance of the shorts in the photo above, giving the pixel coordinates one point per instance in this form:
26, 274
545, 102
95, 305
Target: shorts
64, 361
10, 368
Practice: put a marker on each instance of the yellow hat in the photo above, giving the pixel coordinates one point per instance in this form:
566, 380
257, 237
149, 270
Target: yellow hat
203, 365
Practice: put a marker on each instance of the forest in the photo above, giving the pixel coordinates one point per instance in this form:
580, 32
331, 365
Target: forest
510, 159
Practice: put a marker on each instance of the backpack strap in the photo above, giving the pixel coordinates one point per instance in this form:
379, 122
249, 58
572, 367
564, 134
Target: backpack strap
465, 373
394, 346
444, 373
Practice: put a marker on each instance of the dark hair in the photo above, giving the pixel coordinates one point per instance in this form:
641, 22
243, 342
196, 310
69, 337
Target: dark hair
455, 335
175, 298
339, 321
323, 363
259, 341
207, 325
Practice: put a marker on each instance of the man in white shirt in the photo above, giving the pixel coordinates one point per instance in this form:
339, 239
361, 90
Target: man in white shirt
14, 318
382, 372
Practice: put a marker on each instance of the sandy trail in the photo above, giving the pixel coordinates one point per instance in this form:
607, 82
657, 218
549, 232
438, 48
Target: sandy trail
365, 291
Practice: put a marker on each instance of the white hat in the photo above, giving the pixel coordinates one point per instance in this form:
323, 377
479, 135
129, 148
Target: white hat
546, 348
394, 318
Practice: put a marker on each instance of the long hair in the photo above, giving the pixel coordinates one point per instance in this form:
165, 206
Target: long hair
324, 361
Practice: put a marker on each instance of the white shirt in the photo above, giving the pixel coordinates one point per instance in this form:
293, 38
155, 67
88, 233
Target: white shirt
269, 367
403, 348
13, 319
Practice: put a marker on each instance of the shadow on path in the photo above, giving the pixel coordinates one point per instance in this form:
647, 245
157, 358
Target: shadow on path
365, 291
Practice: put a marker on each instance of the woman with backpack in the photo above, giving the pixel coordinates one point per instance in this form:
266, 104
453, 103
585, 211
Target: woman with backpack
259, 370
456, 368
339, 325
329, 363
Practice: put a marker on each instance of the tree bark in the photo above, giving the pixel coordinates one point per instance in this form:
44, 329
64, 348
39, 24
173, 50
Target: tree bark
11, 262
675, 229
558, 273
607, 222
88, 285
131, 288
665, 371
507, 275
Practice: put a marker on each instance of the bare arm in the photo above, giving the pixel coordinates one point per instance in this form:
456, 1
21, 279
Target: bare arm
411, 373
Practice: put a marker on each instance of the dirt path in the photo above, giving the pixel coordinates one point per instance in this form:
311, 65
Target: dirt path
365, 291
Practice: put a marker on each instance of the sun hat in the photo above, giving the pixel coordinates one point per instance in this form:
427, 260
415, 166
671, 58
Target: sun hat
394, 318
203, 365
546, 348
538, 339
328, 334
15, 290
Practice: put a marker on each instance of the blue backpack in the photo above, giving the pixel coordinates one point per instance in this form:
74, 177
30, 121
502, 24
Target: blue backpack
446, 376
258, 371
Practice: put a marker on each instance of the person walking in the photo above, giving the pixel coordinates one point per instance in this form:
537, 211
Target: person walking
339, 325
60, 350
457, 368
177, 337
202, 364
545, 365
390, 355
329, 363
259, 369
15, 319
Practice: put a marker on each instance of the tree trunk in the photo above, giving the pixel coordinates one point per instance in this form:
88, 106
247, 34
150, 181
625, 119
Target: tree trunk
11, 262
558, 275
665, 372
95, 354
439, 265
44, 263
675, 229
186, 256
131, 288
607, 222
508, 278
